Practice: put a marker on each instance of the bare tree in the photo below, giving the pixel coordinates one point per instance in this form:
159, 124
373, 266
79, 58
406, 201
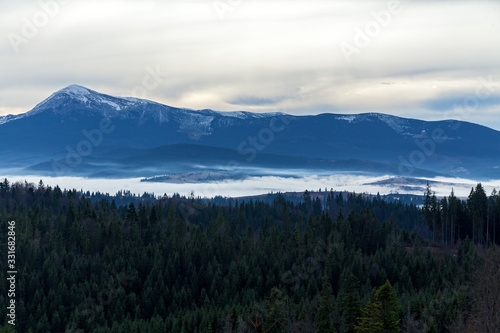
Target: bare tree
485, 316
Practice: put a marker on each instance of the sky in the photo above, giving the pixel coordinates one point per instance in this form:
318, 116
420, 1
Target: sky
430, 60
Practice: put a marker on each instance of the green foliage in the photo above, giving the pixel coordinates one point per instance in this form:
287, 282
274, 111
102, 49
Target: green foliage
380, 313
89, 263
275, 311
351, 303
324, 322
7, 328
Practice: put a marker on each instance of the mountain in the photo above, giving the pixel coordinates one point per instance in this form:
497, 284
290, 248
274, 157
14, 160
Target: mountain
178, 159
80, 131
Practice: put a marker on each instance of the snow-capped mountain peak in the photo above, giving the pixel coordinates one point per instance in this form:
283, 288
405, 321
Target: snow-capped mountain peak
75, 98
76, 90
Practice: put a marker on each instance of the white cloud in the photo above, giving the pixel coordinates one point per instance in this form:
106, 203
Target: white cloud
260, 185
282, 51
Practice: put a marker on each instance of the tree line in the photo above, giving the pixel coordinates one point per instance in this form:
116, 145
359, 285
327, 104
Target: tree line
451, 219
185, 265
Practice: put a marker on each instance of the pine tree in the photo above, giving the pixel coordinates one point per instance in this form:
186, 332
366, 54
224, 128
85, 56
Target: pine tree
370, 321
428, 209
307, 201
453, 212
317, 207
478, 206
380, 314
324, 316
275, 311
351, 303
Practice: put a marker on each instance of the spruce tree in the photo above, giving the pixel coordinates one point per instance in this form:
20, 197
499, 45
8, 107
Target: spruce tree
380, 314
324, 316
351, 304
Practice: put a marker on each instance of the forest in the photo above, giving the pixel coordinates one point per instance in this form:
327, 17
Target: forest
89, 263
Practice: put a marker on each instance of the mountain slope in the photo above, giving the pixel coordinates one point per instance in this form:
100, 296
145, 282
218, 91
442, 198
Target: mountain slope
179, 158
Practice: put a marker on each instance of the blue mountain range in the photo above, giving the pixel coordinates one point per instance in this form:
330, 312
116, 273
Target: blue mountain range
78, 131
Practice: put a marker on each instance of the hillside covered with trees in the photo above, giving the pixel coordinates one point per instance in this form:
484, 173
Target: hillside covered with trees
352, 264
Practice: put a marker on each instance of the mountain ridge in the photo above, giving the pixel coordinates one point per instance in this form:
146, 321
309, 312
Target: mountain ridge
63, 121
91, 97
80, 93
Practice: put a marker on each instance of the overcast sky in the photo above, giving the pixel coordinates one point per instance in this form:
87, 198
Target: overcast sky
430, 60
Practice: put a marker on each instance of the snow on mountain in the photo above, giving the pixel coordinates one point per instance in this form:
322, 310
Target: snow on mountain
399, 125
10, 117
75, 101
78, 99
77, 91
74, 97
233, 114
141, 124
349, 118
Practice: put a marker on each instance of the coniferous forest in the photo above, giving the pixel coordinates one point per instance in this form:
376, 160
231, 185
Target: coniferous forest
87, 263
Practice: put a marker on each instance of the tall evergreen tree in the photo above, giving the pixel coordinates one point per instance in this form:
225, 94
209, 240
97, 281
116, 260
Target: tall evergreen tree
351, 303
324, 322
380, 314
478, 206
275, 311
427, 208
